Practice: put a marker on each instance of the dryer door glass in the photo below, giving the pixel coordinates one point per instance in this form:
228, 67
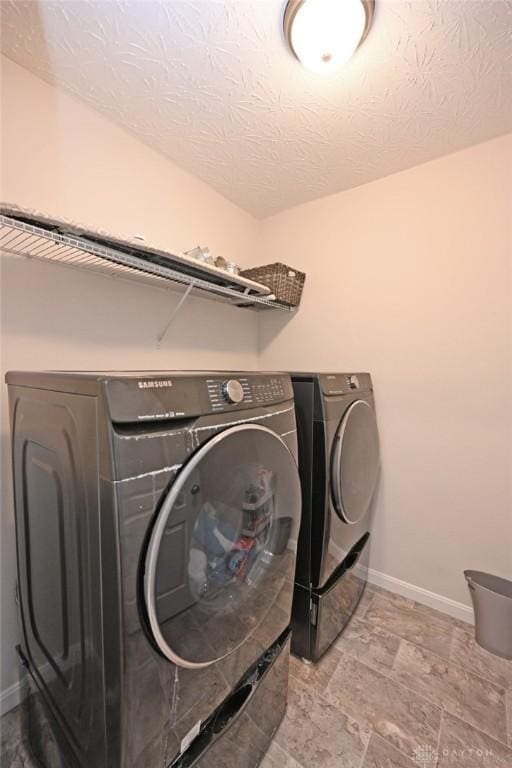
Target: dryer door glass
222, 545
355, 462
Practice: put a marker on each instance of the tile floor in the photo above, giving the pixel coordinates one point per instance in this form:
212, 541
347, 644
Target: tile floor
404, 687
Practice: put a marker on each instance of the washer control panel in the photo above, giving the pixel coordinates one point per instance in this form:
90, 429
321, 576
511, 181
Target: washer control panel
268, 390
246, 391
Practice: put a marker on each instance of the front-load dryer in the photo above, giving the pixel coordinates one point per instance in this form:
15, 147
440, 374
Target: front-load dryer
339, 467
157, 515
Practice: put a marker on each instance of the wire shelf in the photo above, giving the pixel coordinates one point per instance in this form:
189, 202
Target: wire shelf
23, 239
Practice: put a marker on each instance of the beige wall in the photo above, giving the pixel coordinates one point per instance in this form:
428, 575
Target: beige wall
409, 277
60, 157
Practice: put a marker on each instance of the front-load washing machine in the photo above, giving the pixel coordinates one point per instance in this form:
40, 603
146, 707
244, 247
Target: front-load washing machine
156, 521
339, 467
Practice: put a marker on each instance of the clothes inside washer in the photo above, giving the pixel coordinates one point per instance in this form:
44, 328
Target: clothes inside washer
227, 538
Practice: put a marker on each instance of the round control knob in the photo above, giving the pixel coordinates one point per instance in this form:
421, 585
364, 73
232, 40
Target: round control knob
233, 391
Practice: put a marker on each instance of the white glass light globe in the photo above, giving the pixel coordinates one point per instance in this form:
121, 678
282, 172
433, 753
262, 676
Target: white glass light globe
325, 33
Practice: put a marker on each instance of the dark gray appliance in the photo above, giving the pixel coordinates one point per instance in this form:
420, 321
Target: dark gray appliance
156, 520
339, 466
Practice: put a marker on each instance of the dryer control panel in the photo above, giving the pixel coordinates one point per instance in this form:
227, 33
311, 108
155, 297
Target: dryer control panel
344, 383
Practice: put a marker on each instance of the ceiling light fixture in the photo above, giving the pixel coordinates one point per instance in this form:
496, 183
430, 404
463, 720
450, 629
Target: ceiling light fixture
324, 34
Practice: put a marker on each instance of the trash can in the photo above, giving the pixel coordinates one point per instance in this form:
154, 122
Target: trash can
492, 604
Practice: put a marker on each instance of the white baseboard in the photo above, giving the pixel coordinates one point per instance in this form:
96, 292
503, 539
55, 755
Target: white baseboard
10, 698
423, 596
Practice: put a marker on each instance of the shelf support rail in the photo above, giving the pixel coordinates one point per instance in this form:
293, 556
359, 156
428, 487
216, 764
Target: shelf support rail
174, 312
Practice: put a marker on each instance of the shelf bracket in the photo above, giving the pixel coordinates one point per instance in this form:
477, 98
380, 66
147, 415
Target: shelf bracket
174, 312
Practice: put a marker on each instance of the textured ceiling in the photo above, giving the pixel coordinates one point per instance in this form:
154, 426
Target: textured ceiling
211, 85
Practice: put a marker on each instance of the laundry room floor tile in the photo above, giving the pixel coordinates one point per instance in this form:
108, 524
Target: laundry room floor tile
478, 701
392, 597
276, 757
508, 699
369, 643
365, 600
318, 734
419, 625
315, 676
382, 754
429, 614
396, 713
462, 745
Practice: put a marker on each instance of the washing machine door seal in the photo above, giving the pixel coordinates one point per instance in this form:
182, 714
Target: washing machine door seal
355, 462
221, 545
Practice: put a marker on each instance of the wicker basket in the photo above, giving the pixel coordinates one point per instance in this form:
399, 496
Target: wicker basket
285, 282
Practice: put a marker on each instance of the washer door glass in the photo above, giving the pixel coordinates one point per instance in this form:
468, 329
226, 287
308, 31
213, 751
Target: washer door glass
355, 462
222, 545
